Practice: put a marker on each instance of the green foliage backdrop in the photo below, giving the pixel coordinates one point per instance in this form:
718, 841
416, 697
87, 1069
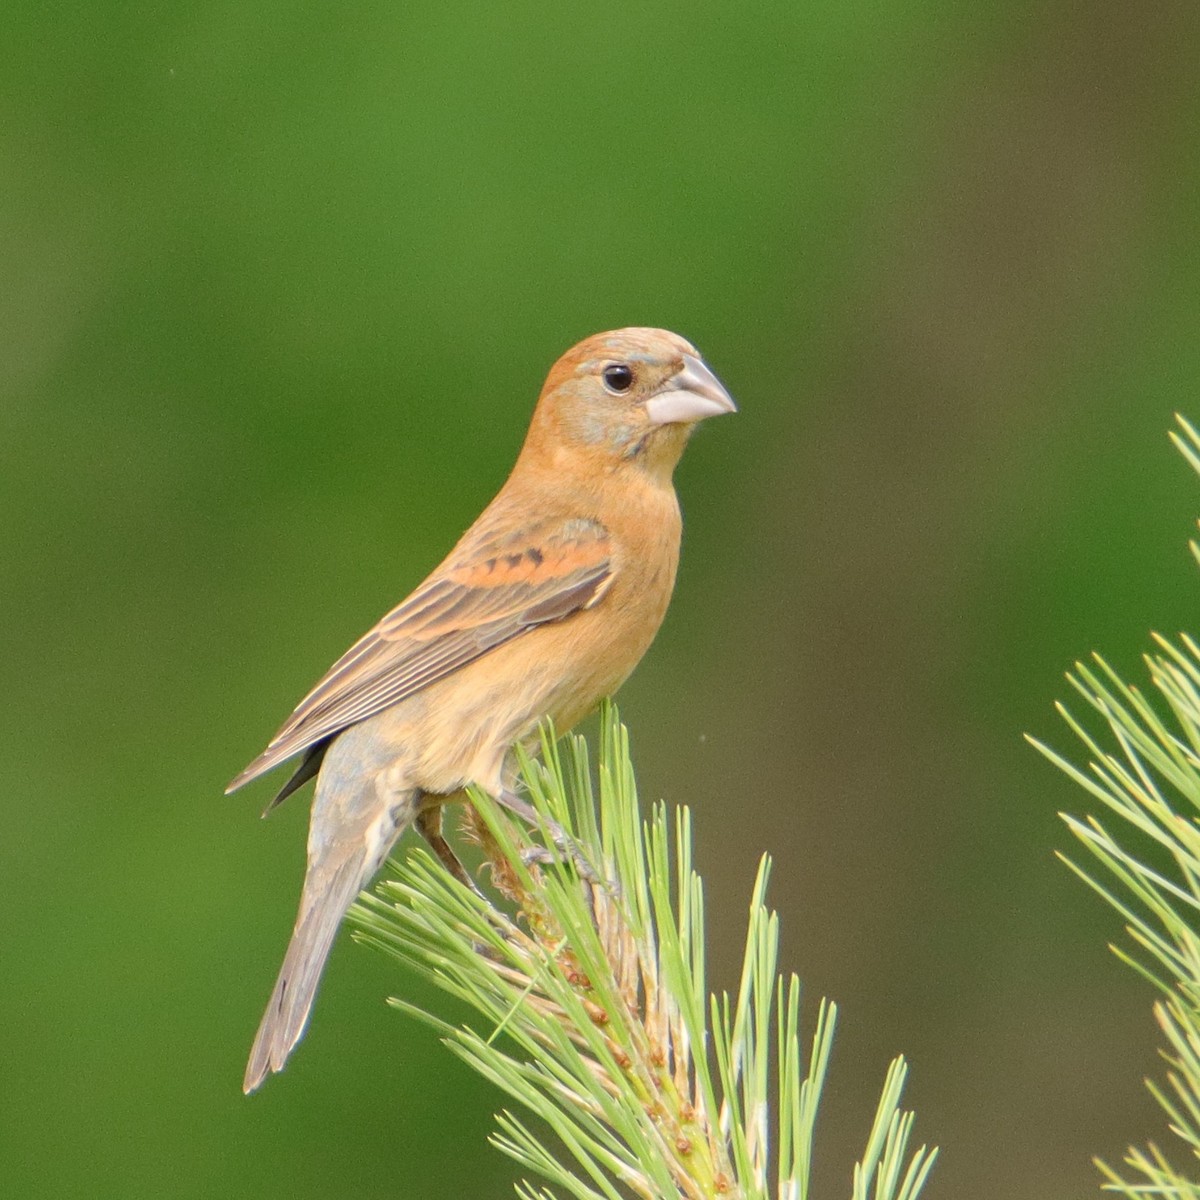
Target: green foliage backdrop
279, 284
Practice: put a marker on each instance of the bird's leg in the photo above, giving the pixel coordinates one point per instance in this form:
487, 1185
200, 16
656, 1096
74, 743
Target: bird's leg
508, 799
566, 848
429, 824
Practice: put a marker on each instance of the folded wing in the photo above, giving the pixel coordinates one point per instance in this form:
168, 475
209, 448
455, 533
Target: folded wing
488, 592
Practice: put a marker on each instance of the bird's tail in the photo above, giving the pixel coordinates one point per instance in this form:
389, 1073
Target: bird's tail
324, 904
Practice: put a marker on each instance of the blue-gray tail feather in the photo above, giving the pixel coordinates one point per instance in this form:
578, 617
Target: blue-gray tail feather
291, 1002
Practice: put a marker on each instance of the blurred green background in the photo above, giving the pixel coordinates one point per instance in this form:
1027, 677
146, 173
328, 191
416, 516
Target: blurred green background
279, 285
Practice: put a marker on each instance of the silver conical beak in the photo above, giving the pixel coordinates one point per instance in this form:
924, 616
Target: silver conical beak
689, 395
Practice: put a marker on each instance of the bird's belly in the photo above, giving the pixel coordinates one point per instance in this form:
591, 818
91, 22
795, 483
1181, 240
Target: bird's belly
461, 729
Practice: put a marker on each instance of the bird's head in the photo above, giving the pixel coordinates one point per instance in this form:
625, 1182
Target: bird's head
628, 399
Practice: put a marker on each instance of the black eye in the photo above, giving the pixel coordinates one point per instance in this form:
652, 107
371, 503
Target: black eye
618, 377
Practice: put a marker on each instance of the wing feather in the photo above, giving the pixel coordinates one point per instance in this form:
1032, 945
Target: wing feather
487, 593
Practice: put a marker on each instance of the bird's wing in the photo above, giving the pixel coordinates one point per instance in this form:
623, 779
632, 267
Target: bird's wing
489, 591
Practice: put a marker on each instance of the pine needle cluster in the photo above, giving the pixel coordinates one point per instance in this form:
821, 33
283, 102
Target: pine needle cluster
592, 1012
1144, 859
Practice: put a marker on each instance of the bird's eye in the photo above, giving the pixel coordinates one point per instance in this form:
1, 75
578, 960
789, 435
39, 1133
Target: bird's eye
618, 377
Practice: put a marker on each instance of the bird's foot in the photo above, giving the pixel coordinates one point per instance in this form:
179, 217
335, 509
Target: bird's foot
563, 851
564, 847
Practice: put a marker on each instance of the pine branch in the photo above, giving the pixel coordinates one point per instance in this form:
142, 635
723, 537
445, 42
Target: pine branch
1146, 773
593, 1011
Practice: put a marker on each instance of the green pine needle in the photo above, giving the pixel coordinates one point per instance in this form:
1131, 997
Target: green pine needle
1145, 769
592, 1012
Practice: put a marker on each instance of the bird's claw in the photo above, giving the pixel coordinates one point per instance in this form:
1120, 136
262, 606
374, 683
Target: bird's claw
563, 850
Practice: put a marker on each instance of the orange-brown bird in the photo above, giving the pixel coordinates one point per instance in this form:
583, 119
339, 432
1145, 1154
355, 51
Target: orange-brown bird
543, 608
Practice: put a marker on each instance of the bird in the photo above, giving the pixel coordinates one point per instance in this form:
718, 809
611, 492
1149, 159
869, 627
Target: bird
542, 609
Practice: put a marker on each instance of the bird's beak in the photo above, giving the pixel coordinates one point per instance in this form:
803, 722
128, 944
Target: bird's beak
690, 395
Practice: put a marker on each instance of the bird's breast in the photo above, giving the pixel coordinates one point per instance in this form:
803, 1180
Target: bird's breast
461, 729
